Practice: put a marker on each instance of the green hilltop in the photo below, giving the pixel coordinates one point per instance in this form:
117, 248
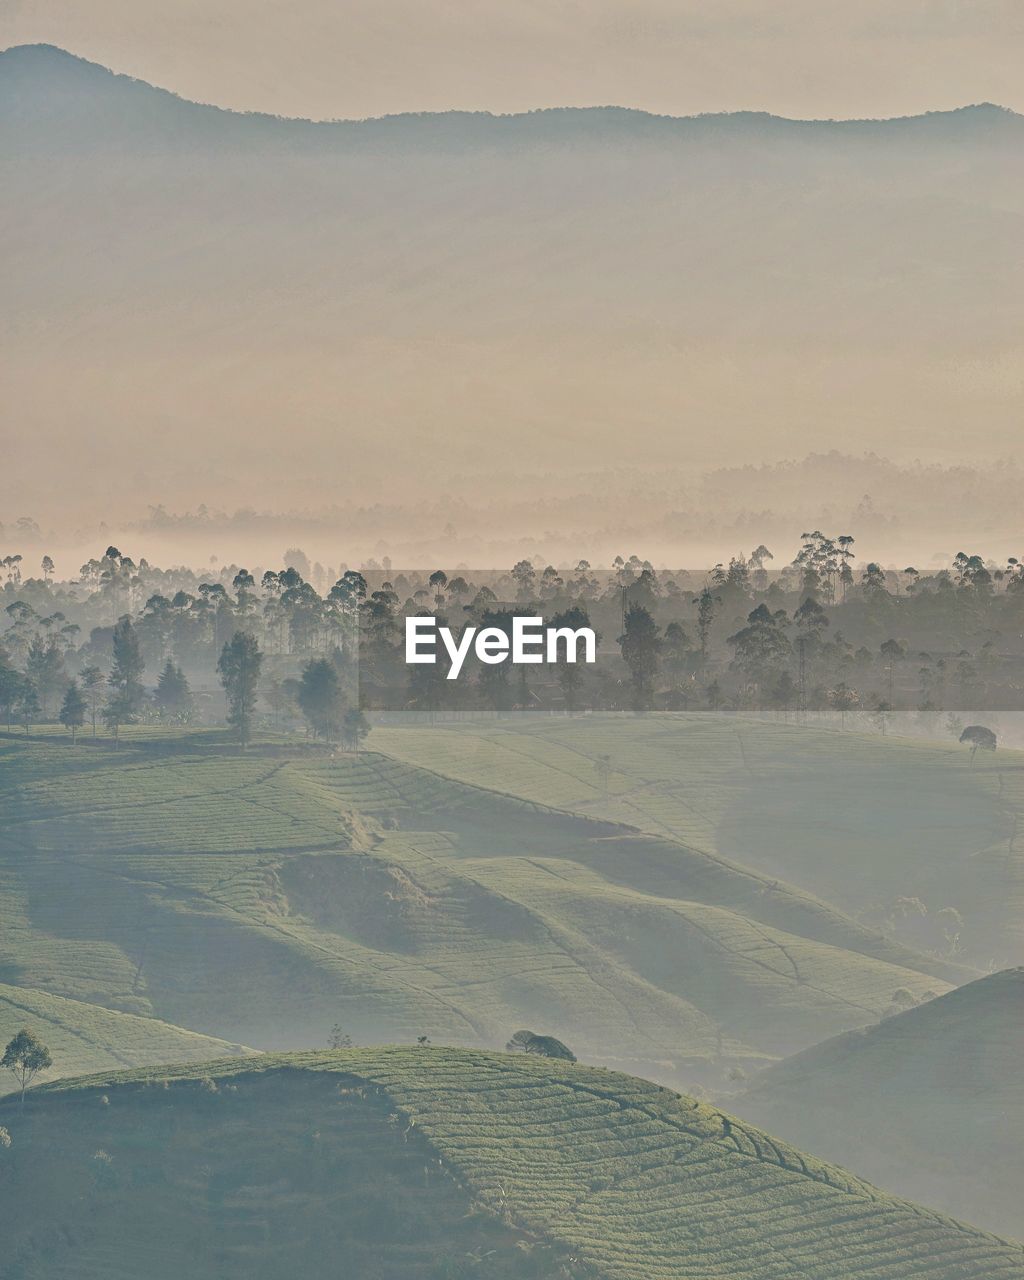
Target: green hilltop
419, 1163
264, 898
86, 1037
929, 1102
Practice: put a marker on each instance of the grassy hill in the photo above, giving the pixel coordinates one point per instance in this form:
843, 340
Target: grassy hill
86, 1037
861, 821
929, 1103
402, 1164
263, 898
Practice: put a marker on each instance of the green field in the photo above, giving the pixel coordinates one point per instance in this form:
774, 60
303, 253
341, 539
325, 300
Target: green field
264, 898
859, 820
929, 1103
439, 1163
86, 1037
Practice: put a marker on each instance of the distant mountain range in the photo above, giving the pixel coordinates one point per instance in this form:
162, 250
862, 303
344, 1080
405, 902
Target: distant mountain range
427, 296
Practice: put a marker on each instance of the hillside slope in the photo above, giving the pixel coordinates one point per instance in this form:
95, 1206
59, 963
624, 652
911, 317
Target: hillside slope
240, 1171
266, 898
86, 1037
929, 1103
861, 821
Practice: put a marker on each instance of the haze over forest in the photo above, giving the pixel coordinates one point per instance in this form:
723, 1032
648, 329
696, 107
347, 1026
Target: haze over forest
566, 333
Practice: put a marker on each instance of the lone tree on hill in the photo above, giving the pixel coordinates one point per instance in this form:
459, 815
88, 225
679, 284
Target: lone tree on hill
239, 669
72, 710
976, 735
545, 1046
26, 1056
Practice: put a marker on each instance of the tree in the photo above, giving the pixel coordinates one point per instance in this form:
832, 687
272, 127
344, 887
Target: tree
172, 695
977, 735
843, 699
339, 1038
641, 650
12, 684
93, 680
570, 674
239, 669
761, 647
25, 1056
72, 710
125, 679
28, 709
355, 727
706, 603
45, 668
320, 697
546, 1046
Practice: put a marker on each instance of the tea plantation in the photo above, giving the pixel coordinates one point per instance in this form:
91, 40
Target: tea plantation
266, 898
86, 1037
863, 821
930, 1102
414, 1163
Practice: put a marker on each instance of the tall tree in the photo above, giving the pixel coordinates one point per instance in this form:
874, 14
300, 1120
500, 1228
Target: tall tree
72, 710
93, 680
239, 670
320, 698
570, 674
641, 651
172, 695
125, 679
45, 668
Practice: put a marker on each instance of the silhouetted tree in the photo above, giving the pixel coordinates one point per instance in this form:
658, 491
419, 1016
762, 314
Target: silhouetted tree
320, 698
641, 650
72, 710
545, 1046
239, 670
978, 736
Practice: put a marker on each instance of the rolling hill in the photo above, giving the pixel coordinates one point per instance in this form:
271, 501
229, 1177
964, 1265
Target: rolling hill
870, 824
409, 1164
184, 280
86, 1037
265, 898
929, 1103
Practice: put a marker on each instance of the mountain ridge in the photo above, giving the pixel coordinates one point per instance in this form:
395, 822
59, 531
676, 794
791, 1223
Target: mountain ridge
33, 58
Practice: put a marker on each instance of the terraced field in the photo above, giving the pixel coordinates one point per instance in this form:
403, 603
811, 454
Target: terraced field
437, 1162
264, 898
930, 1103
859, 820
86, 1037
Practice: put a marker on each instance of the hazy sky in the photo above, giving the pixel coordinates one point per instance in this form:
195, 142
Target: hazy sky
352, 58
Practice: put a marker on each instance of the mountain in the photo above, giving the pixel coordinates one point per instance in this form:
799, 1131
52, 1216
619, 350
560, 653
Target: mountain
408, 1164
929, 1102
85, 1037
265, 898
429, 304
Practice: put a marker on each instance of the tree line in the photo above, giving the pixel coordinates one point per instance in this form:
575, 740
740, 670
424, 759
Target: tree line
268, 649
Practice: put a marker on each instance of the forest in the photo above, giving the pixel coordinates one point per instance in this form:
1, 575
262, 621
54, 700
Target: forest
308, 648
